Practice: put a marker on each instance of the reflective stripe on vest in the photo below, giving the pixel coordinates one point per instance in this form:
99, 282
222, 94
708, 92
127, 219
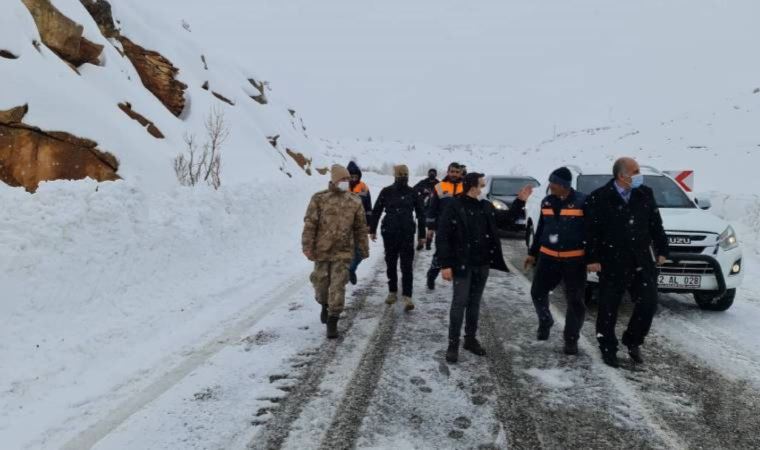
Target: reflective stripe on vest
563, 212
564, 254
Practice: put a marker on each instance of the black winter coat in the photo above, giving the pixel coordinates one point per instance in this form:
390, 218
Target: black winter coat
617, 231
452, 241
400, 204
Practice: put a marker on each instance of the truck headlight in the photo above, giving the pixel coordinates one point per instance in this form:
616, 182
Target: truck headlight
498, 204
728, 240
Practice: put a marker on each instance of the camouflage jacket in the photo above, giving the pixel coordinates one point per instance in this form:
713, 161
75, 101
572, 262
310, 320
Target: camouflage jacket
334, 225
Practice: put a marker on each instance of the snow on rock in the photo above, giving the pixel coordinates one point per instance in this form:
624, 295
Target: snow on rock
84, 102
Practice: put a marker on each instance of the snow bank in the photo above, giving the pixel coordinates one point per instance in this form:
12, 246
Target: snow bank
101, 283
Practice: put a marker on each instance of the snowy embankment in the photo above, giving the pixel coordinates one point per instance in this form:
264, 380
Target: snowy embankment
104, 286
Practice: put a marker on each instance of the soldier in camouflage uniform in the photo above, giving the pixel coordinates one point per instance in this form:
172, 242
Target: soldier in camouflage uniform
334, 226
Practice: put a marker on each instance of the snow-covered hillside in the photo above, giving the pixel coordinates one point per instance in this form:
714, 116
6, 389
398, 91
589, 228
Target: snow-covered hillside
84, 102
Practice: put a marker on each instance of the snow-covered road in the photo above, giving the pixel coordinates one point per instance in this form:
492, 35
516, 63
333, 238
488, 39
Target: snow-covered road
277, 383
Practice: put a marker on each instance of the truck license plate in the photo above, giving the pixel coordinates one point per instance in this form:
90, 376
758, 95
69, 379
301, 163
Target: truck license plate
679, 281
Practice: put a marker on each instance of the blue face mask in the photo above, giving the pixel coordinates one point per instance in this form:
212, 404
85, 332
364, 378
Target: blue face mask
637, 181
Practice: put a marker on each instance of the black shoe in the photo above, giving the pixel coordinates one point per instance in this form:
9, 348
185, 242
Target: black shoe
472, 344
571, 348
543, 330
452, 353
323, 314
611, 359
352, 276
332, 327
634, 352
420, 246
430, 281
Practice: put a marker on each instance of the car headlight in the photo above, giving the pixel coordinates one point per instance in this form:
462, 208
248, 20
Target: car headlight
728, 240
498, 204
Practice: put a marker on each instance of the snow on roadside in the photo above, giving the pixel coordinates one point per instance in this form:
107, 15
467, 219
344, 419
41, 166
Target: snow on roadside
106, 285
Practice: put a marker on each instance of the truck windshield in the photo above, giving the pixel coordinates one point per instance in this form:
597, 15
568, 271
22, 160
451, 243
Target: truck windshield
510, 186
667, 194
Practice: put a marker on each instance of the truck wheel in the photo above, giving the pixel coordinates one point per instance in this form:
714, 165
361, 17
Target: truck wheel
711, 302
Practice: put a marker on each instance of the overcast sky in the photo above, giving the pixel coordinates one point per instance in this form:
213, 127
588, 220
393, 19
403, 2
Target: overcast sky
495, 71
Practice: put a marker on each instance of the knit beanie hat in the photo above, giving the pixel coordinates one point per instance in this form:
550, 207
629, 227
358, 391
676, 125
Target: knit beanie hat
400, 171
338, 172
562, 177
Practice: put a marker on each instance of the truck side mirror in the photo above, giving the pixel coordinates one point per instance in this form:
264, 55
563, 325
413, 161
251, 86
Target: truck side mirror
703, 202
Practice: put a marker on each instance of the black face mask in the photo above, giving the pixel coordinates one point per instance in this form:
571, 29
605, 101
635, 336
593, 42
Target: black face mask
402, 181
432, 175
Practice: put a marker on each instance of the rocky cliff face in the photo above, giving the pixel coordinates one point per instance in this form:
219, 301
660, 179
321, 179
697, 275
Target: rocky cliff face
29, 155
132, 94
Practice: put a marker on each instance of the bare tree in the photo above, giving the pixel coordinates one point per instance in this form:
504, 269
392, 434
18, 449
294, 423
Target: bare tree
205, 165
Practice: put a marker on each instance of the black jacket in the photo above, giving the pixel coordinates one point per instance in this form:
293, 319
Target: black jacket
400, 203
425, 188
451, 241
617, 231
561, 226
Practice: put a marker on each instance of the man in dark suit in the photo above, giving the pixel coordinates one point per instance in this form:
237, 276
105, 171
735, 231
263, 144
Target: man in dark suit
625, 242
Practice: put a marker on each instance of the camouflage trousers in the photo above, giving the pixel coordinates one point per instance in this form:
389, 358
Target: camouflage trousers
329, 279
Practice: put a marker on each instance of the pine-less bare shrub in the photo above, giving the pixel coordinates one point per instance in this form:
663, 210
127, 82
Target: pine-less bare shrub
204, 164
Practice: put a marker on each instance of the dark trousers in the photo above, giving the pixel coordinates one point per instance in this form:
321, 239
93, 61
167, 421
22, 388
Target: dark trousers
465, 306
549, 273
399, 246
642, 284
435, 268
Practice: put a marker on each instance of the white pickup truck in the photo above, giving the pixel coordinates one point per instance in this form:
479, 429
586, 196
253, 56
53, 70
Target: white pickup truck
705, 255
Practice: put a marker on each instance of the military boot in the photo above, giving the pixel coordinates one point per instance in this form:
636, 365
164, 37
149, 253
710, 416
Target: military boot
392, 298
408, 305
323, 314
332, 327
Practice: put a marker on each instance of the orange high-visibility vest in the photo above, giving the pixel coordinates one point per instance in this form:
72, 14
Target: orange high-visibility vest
360, 188
448, 189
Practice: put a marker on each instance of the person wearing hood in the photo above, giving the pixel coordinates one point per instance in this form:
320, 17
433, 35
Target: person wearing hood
424, 189
401, 205
358, 187
334, 231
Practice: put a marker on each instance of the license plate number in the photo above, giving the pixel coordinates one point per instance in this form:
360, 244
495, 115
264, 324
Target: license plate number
679, 281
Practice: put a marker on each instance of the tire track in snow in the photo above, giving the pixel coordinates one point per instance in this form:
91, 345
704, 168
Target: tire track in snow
197, 357
420, 401
687, 403
276, 431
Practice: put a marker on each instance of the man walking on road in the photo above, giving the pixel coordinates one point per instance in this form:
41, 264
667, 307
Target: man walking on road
358, 187
468, 245
559, 248
400, 202
625, 244
425, 189
443, 193
334, 227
